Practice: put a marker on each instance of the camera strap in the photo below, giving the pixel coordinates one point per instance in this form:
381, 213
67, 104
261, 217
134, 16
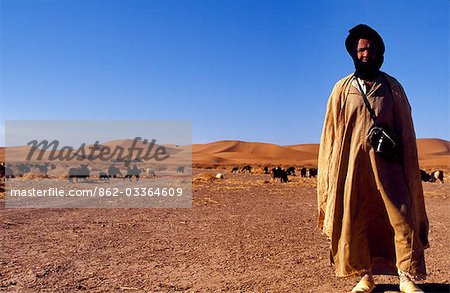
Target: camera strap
371, 111
384, 132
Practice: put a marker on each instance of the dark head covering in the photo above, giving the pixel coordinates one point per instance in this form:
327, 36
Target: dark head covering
362, 31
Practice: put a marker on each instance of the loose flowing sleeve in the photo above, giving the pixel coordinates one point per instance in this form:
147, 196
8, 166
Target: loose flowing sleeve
328, 151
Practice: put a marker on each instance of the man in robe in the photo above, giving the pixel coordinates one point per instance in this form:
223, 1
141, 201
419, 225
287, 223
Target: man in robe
371, 206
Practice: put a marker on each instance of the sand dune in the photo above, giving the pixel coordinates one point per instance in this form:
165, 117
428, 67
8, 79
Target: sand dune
309, 148
19, 153
432, 153
433, 146
14, 153
126, 143
227, 152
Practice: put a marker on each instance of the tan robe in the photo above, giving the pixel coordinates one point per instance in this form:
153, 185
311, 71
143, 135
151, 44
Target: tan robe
372, 209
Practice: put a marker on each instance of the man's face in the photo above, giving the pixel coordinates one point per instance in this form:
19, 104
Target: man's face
366, 51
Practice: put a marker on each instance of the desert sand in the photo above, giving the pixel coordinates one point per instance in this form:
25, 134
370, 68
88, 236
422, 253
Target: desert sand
243, 233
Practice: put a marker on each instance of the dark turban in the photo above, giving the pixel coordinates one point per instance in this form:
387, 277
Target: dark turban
362, 31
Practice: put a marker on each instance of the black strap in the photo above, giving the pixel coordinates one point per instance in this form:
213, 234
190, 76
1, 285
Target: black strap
372, 113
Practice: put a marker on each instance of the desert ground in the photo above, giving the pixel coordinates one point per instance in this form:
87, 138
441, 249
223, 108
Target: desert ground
243, 233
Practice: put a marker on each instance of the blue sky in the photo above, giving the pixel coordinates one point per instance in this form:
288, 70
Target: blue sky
247, 70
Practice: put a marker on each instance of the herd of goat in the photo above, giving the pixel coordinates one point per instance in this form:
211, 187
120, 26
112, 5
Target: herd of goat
82, 173
432, 177
278, 173
281, 174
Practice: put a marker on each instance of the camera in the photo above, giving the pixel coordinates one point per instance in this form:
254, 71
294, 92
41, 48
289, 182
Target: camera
382, 142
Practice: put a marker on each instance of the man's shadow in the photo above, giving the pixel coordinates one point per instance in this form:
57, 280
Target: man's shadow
426, 287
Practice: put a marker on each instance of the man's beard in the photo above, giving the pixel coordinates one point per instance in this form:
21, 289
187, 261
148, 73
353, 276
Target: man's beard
366, 70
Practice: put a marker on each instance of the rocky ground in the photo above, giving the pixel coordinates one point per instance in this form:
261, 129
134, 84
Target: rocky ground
243, 233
